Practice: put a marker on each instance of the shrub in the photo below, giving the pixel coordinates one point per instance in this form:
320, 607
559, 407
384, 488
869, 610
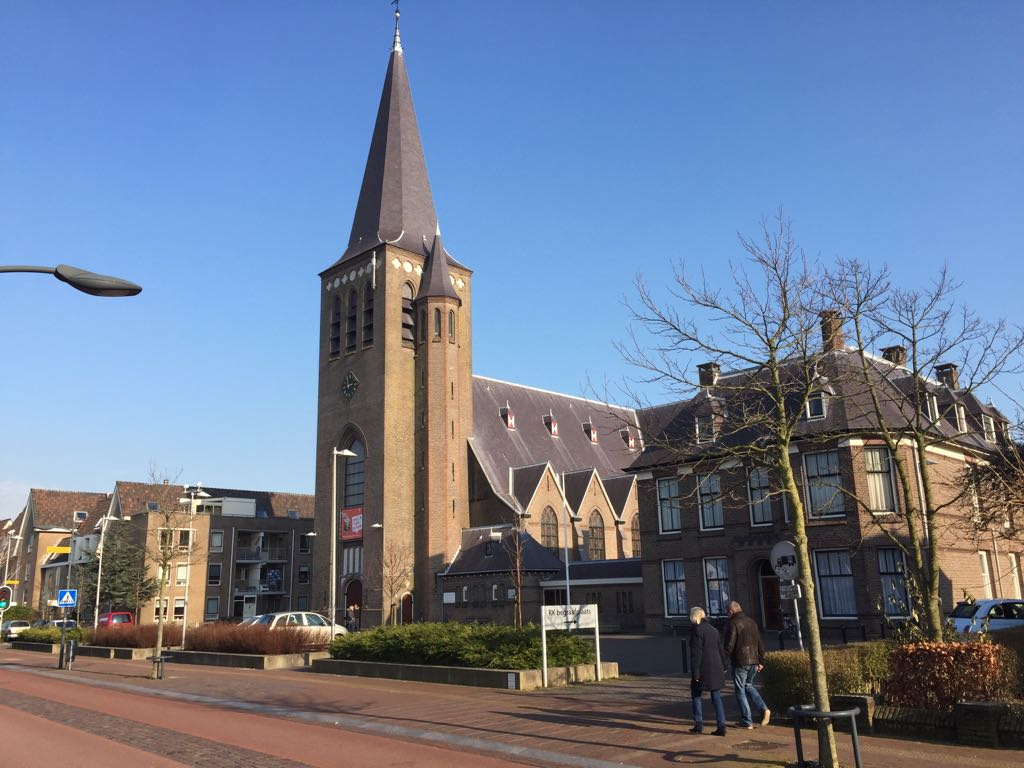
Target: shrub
1013, 639
938, 675
134, 636
225, 637
21, 613
49, 635
462, 645
854, 668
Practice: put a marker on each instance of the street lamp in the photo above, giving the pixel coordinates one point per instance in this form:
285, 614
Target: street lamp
566, 517
99, 567
83, 280
194, 492
7, 560
335, 453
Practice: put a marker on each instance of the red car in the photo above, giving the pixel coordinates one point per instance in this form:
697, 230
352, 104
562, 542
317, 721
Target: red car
115, 619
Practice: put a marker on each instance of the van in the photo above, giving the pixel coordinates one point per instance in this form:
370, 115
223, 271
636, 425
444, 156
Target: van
115, 619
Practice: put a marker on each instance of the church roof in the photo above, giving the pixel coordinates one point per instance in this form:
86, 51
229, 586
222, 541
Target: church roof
490, 549
436, 281
395, 202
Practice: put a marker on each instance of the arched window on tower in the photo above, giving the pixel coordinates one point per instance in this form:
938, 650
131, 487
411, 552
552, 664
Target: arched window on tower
350, 321
437, 323
336, 326
352, 487
634, 535
549, 530
595, 536
451, 325
408, 316
368, 315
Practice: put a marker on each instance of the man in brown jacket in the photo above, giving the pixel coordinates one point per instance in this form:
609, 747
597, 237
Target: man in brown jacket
745, 649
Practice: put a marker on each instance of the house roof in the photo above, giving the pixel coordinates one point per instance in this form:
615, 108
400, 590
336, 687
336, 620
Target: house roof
55, 509
612, 570
499, 449
133, 498
489, 549
618, 490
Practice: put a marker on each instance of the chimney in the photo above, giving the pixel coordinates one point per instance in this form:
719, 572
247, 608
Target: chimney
708, 373
895, 355
831, 330
166, 481
949, 375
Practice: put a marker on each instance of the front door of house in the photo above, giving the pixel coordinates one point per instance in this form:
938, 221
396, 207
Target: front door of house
771, 607
248, 606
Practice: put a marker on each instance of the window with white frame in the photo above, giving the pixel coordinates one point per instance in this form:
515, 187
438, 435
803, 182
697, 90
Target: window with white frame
961, 419
303, 574
184, 538
892, 571
710, 501
879, 472
929, 406
824, 485
716, 585
216, 541
212, 609
157, 610
213, 575
705, 427
181, 576
986, 575
495, 592
669, 504
179, 609
815, 406
759, 492
304, 544
675, 587
1015, 590
989, 425
835, 584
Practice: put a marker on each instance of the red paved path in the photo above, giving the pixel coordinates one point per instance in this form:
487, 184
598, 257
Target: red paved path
633, 721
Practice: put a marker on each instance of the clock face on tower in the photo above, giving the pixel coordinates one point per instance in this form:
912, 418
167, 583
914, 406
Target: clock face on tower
349, 385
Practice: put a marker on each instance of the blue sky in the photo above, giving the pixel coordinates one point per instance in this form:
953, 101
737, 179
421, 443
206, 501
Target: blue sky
212, 152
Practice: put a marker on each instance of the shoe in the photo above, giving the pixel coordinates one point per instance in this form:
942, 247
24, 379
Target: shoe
719, 732
745, 726
698, 728
766, 717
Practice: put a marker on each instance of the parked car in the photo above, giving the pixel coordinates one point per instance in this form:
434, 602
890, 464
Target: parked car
311, 622
58, 623
115, 619
11, 629
993, 615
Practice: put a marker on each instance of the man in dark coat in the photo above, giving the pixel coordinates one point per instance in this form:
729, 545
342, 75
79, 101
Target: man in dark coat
707, 666
745, 649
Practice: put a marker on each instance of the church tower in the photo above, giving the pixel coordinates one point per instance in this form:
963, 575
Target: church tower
394, 408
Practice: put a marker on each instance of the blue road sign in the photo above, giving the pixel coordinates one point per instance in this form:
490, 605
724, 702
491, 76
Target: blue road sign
67, 598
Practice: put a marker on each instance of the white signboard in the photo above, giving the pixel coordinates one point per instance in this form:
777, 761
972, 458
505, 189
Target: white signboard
448, 598
783, 560
569, 616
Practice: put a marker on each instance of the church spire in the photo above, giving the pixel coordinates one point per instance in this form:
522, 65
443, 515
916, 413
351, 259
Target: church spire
435, 281
395, 203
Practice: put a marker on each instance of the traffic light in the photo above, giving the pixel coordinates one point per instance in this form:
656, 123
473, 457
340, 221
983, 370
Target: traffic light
6, 593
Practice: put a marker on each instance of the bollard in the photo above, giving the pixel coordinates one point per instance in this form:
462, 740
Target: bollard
685, 645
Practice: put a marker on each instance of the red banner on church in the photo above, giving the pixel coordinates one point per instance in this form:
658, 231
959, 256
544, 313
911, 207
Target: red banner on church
351, 523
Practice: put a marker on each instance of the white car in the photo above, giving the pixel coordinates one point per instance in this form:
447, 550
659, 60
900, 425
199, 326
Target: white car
11, 629
311, 622
992, 615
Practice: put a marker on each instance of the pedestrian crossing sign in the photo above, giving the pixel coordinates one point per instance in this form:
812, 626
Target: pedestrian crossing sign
67, 598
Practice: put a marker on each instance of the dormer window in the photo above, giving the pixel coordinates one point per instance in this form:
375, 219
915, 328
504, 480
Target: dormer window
930, 407
705, 428
80, 515
507, 416
552, 424
590, 431
961, 418
989, 425
815, 406
628, 438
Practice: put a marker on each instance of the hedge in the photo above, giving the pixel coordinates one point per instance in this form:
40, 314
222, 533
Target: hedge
854, 668
938, 675
455, 644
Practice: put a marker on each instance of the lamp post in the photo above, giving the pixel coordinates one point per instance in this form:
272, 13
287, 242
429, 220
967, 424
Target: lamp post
83, 280
194, 492
566, 517
333, 599
99, 567
7, 560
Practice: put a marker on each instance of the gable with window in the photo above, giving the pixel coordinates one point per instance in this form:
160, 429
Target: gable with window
595, 536
549, 529
669, 505
824, 484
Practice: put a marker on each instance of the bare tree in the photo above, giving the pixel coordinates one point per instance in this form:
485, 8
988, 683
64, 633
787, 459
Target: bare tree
764, 327
514, 548
396, 566
924, 333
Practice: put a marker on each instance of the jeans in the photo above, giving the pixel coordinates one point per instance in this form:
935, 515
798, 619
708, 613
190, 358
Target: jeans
743, 678
716, 700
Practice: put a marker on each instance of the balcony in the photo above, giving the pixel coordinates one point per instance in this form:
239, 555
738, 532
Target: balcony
261, 555
262, 588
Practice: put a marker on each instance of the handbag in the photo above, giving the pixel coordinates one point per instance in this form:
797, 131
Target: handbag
696, 689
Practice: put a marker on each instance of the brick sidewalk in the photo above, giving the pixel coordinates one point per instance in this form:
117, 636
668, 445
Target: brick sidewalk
632, 721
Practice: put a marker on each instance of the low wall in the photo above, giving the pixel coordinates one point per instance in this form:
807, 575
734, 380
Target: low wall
245, 660
22, 645
510, 679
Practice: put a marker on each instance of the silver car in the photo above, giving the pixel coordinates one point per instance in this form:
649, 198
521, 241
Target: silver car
991, 615
311, 622
11, 629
